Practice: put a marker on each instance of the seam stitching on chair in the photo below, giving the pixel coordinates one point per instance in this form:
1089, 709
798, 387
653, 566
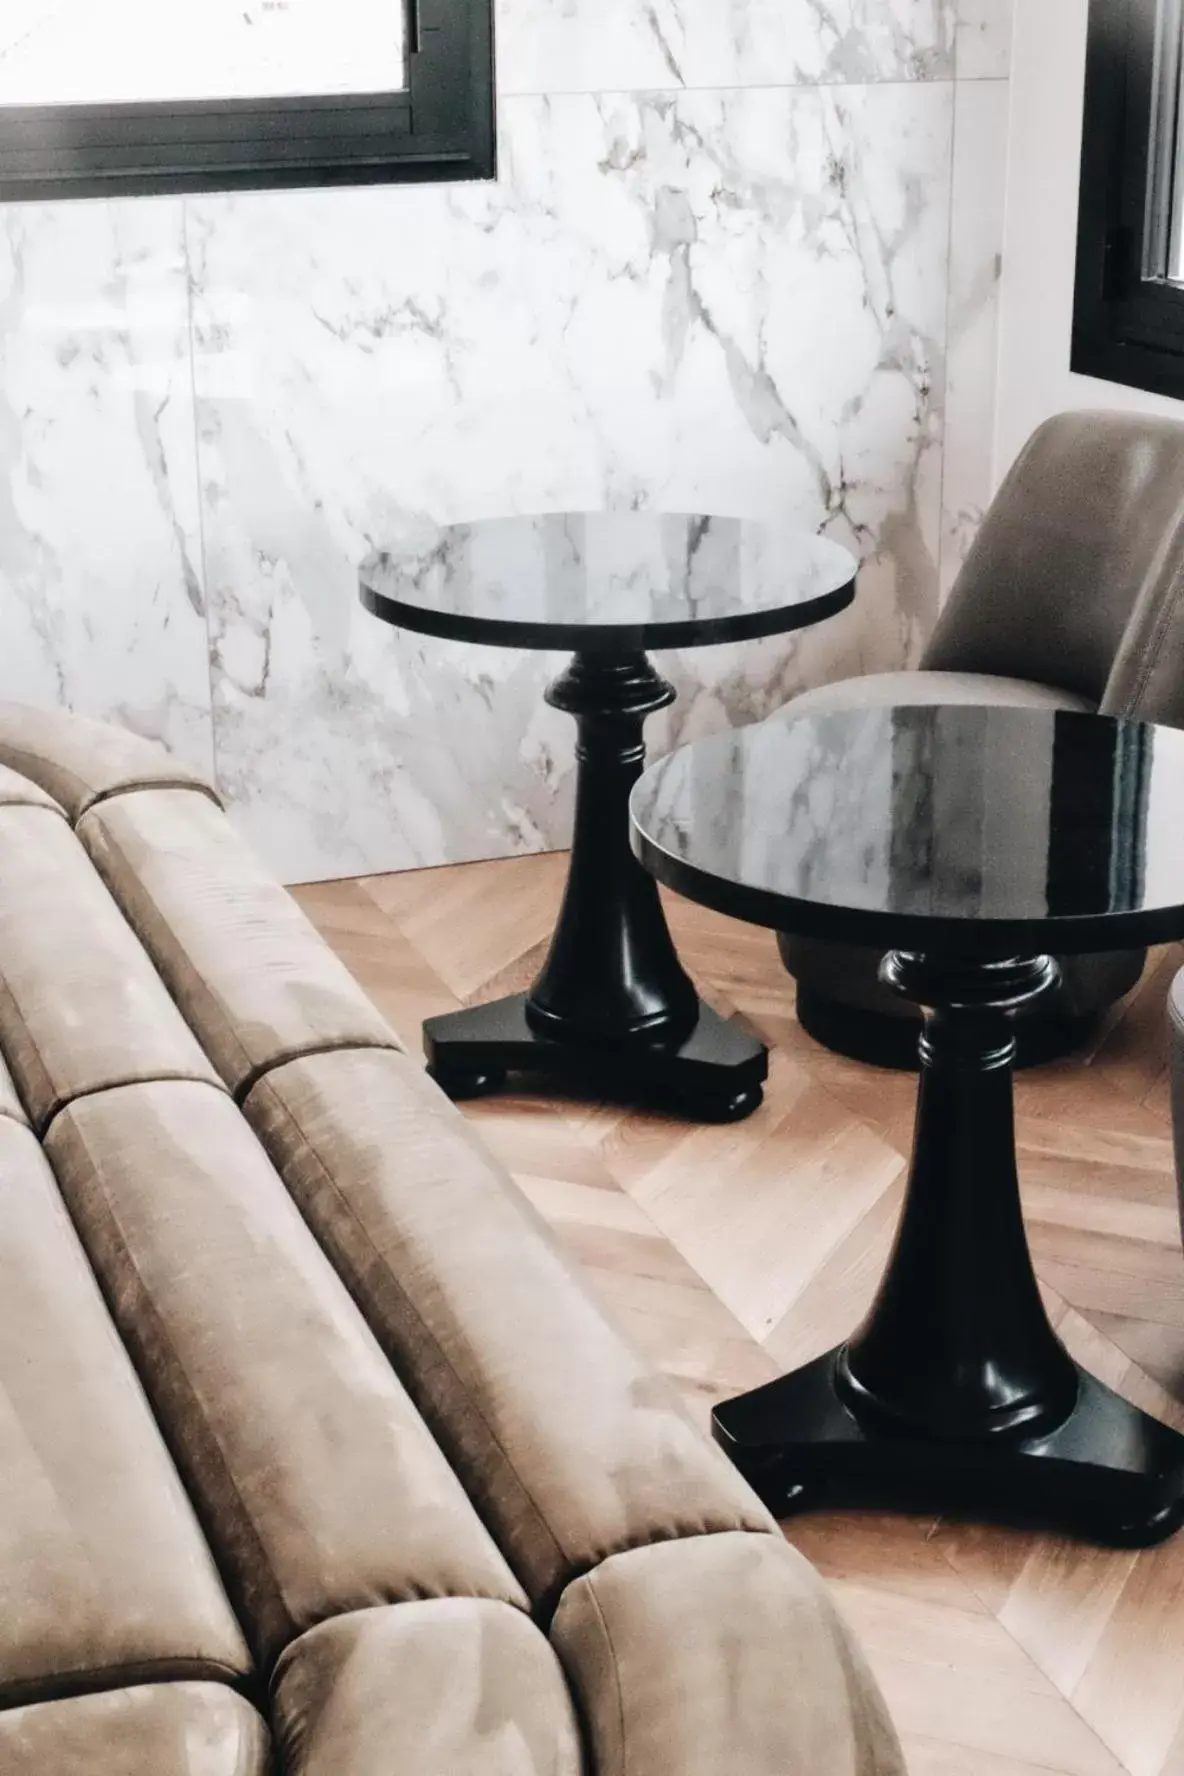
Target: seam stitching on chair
1151, 652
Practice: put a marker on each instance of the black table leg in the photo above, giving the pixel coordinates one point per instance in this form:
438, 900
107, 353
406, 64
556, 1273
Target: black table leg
612, 1011
956, 1394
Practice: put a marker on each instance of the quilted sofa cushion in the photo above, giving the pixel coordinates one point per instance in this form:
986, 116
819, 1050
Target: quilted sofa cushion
570, 1445
104, 1574
318, 1484
401, 1420
175, 1729
81, 1006
20, 792
251, 974
78, 762
684, 1656
458, 1687
10, 1103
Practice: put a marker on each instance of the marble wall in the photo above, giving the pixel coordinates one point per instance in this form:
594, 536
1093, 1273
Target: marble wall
741, 257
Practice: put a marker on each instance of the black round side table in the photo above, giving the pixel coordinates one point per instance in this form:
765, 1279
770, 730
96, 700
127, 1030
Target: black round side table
612, 1010
967, 844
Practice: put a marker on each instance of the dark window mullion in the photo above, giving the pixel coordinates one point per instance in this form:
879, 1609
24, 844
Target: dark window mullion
440, 127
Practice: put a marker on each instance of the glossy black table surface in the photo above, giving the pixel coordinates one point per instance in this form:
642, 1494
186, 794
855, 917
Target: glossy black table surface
970, 845
606, 581
612, 1012
986, 829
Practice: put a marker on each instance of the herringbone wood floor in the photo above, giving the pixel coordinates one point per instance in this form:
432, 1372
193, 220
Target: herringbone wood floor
731, 1253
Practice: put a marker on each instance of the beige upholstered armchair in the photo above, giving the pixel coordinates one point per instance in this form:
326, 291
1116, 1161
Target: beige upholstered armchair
1072, 597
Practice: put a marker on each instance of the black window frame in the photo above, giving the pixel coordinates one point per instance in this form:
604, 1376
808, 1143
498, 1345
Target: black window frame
1128, 326
440, 127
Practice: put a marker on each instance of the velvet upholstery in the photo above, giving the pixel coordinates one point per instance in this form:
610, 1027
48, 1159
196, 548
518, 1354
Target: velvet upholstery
168, 1729
319, 1487
571, 1448
81, 1006
293, 1367
104, 1575
244, 964
678, 1652
10, 1103
456, 1687
78, 762
19, 792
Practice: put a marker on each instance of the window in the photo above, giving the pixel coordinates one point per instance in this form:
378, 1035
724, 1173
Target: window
109, 97
1128, 322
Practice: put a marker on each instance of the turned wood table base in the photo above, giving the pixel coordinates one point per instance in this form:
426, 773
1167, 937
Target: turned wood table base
612, 1012
956, 1395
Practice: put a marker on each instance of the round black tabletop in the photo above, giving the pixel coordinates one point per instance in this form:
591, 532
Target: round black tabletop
607, 581
973, 831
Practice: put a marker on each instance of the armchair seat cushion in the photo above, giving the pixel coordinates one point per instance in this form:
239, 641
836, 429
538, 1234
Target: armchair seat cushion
841, 1000
880, 690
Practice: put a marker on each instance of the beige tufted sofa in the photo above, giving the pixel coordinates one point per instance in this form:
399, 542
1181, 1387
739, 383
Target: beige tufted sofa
316, 1456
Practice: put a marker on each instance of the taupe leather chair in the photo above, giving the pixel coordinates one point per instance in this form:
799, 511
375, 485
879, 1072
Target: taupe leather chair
1072, 597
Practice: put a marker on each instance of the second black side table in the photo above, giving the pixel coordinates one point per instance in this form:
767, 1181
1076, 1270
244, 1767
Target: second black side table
612, 1010
970, 846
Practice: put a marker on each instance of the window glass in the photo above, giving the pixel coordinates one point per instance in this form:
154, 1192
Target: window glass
1164, 230
111, 52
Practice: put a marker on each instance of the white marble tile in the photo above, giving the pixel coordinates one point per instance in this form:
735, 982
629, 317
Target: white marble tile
976, 241
562, 46
101, 604
729, 302
983, 39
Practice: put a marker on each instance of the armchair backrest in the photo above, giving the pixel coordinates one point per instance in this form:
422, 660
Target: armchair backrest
1073, 578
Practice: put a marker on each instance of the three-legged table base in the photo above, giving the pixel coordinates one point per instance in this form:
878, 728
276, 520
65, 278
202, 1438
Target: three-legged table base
715, 1074
1109, 1472
956, 1394
612, 1011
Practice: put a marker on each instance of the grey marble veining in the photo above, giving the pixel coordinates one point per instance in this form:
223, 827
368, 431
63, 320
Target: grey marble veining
725, 302
976, 239
101, 599
560, 46
714, 276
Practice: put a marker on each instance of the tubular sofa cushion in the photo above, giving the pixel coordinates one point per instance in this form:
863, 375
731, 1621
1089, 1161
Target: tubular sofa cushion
81, 1006
720, 1654
20, 792
104, 1576
319, 1486
251, 973
10, 1103
78, 761
457, 1687
569, 1445
175, 1729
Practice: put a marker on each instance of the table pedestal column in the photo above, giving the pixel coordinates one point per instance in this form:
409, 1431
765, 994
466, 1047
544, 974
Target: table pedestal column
612, 1011
955, 1394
